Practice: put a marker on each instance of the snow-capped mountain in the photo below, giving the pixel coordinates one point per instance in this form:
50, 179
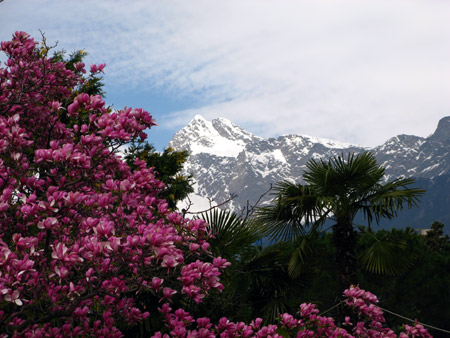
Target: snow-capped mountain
226, 159
407, 155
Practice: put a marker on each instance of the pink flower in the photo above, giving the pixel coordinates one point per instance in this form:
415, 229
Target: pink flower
61, 271
156, 283
168, 292
97, 68
14, 298
79, 66
47, 223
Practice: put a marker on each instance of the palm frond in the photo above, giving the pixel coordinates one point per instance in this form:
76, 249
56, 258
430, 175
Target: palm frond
303, 256
340, 176
386, 256
385, 201
265, 279
295, 208
231, 233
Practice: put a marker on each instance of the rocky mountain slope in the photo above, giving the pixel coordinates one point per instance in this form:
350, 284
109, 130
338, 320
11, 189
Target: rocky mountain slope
407, 155
226, 159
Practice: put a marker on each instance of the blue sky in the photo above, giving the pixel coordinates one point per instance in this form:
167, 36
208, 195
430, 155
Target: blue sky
353, 71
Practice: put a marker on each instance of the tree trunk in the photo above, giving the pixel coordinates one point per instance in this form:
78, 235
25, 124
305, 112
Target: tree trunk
344, 237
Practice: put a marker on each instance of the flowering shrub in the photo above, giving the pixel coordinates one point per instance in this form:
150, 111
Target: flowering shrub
80, 230
82, 235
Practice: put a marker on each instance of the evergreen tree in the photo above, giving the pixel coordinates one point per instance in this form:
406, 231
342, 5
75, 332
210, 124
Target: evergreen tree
167, 166
435, 238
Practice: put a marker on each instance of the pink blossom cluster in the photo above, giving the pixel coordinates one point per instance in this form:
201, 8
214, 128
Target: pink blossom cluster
371, 325
182, 325
416, 330
83, 236
365, 303
203, 273
306, 323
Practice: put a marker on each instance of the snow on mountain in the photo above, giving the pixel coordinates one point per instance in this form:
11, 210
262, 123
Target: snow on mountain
226, 159
408, 155
219, 137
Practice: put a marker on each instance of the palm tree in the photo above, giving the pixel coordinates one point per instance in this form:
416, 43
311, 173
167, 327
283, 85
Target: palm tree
337, 189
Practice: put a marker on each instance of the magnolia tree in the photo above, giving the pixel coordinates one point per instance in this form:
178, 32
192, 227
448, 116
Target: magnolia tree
83, 236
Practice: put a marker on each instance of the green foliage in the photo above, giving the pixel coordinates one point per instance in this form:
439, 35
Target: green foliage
435, 239
422, 291
347, 186
168, 166
258, 282
93, 83
270, 289
233, 236
295, 207
304, 254
384, 254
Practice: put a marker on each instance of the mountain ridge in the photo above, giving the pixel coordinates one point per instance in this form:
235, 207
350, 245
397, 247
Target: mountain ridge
226, 159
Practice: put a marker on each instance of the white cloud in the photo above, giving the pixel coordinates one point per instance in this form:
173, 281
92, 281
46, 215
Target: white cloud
355, 71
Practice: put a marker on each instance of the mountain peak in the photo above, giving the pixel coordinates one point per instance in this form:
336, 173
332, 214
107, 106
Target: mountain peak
198, 117
218, 137
442, 132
